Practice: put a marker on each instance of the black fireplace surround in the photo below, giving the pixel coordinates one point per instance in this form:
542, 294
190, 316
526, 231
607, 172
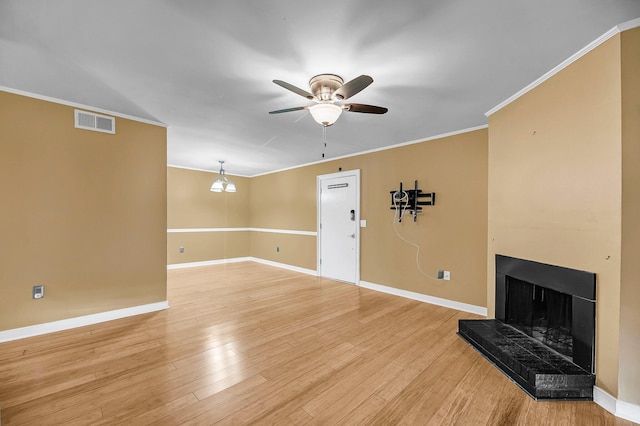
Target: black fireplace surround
543, 334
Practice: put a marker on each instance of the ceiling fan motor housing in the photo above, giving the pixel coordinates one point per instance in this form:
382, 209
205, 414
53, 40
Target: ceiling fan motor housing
324, 85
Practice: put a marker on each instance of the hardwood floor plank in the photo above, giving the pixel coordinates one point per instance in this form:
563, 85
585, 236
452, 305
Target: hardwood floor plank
88, 396
273, 394
76, 420
364, 413
37, 389
348, 396
248, 343
88, 414
426, 358
199, 413
421, 398
297, 418
156, 414
451, 410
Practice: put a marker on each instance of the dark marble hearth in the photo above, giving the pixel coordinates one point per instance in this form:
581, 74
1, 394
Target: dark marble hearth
540, 371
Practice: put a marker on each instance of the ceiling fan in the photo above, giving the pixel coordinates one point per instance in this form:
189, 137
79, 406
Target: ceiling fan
326, 90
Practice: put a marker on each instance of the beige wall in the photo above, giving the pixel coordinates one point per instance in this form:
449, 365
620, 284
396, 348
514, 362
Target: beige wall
451, 234
206, 246
82, 213
294, 250
629, 376
555, 185
191, 204
285, 200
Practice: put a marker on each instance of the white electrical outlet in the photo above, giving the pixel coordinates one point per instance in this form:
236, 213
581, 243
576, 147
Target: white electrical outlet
447, 275
37, 292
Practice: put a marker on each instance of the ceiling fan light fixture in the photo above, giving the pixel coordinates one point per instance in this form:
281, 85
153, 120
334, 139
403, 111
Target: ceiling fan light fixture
327, 89
325, 113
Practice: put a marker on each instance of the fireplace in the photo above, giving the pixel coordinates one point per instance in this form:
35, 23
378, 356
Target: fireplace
543, 336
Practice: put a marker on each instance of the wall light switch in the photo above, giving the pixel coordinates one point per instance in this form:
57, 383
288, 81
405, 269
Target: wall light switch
363, 223
181, 249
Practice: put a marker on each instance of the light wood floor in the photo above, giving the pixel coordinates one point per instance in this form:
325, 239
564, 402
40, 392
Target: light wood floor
248, 343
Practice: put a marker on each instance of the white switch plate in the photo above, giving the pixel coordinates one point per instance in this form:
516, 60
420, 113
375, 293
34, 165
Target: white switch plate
363, 223
447, 275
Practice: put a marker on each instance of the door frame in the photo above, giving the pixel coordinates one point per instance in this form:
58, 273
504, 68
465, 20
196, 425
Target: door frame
319, 179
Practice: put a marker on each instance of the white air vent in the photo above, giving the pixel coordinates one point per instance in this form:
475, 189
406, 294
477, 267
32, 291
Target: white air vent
96, 122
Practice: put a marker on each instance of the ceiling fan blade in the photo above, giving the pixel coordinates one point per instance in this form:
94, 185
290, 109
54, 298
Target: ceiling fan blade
280, 111
294, 89
367, 109
352, 87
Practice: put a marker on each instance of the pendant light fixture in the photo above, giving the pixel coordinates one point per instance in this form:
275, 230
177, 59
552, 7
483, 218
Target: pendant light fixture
222, 183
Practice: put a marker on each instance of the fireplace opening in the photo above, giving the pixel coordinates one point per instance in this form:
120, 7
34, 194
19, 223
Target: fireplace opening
541, 313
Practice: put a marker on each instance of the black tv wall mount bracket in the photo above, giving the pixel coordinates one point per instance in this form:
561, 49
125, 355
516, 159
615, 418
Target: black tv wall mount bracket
411, 201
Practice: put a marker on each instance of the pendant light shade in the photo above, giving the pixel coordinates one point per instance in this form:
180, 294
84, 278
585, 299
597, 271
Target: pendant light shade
325, 113
222, 183
217, 186
231, 187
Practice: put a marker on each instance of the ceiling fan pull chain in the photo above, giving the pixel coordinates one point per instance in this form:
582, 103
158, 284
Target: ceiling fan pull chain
324, 139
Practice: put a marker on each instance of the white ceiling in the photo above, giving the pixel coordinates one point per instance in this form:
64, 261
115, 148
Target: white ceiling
206, 67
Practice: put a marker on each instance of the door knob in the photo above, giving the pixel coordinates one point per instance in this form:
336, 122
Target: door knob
352, 235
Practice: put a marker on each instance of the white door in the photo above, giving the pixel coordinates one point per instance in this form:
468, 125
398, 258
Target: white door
338, 226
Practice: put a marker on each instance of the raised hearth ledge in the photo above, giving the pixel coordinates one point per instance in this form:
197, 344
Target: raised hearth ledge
539, 371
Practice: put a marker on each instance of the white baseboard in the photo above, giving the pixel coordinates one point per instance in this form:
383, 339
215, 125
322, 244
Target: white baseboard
465, 307
244, 259
208, 262
622, 409
628, 411
66, 324
284, 266
604, 400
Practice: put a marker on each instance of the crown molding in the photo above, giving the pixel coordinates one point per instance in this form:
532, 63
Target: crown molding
384, 148
81, 106
629, 25
195, 169
579, 54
